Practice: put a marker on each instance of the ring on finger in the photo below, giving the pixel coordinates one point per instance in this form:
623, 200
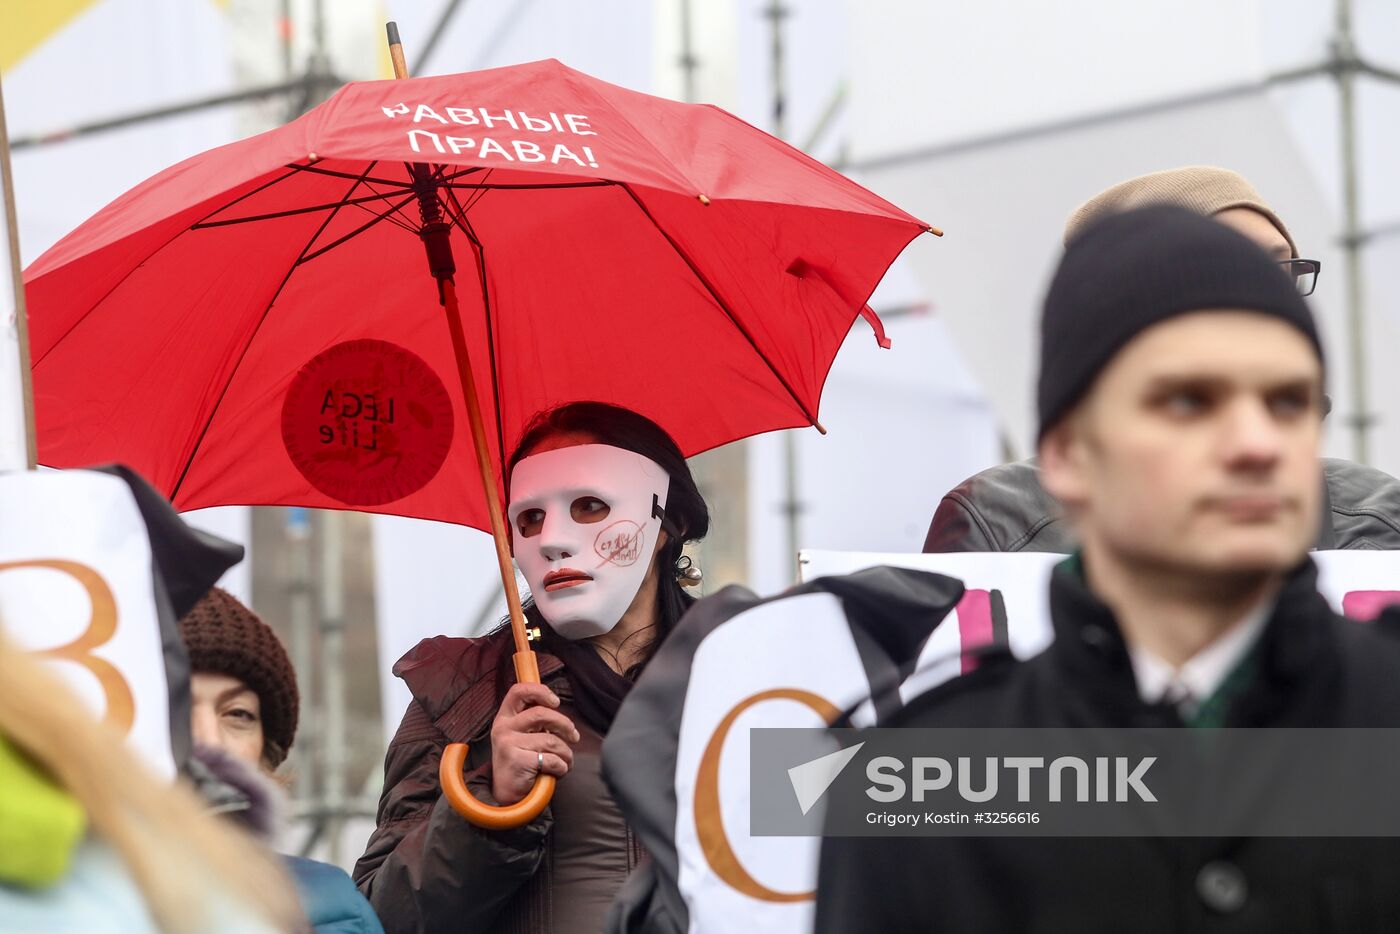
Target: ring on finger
539, 762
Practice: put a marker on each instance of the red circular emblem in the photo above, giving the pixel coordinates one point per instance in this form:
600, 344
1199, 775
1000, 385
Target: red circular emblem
367, 422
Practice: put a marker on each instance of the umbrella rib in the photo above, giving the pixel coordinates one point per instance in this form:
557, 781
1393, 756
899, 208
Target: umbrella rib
723, 305
475, 198
349, 175
460, 219
247, 194
267, 310
308, 257
105, 295
398, 222
471, 171
127, 275
401, 221
293, 212
523, 186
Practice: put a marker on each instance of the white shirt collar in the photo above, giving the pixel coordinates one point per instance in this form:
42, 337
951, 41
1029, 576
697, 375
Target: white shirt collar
1195, 681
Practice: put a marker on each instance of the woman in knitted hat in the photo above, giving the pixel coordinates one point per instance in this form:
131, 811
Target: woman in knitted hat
600, 504
244, 688
243, 714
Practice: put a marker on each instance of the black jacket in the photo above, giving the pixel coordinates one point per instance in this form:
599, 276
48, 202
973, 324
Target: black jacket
1314, 669
1005, 508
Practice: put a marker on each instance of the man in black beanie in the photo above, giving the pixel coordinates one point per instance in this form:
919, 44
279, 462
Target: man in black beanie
1180, 397
1180, 403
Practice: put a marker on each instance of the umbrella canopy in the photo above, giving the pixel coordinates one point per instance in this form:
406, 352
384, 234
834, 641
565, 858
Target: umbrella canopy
258, 325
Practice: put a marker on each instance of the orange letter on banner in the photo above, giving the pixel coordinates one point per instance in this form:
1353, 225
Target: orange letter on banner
709, 821
101, 627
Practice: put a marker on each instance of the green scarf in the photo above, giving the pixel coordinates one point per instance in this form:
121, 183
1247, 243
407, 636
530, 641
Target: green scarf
1214, 709
41, 825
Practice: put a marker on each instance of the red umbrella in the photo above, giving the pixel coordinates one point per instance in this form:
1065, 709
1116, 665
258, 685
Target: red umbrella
256, 325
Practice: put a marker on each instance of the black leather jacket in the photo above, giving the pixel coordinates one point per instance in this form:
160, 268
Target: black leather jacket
1006, 509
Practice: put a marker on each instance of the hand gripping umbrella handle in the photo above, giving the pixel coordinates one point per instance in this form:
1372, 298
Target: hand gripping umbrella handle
490, 816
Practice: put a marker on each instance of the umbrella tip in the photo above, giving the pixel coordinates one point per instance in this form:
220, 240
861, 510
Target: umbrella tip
392, 29
704, 200
818, 425
936, 231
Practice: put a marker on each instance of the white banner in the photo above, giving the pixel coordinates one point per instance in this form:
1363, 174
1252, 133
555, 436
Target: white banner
790, 661
76, 586
737, 662
792, 653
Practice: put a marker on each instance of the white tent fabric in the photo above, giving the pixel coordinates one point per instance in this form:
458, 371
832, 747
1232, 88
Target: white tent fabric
114, 57
904, 425
948, 101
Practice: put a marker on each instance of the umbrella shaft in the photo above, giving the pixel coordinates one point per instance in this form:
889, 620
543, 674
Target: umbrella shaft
485, 466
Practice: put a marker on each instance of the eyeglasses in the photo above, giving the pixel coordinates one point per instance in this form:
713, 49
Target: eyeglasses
1304, 273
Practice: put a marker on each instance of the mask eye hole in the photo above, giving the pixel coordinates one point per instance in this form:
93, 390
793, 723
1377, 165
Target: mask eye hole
529, 522
587, 509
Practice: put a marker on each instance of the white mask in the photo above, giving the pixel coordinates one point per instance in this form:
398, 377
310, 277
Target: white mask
585, 522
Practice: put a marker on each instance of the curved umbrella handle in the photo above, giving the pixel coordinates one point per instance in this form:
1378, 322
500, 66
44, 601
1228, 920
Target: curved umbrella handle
454, 757
492, 817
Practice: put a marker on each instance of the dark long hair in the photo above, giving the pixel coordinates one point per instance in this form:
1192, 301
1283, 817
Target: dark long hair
685, 507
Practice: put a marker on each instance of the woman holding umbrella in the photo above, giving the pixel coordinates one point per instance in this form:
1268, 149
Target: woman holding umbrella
601, 502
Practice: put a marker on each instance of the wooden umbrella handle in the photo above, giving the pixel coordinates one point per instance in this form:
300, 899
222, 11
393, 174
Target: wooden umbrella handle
527, 670
490, 816
494, 817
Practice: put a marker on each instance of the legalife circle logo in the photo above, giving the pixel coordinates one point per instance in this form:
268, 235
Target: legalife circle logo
367, 422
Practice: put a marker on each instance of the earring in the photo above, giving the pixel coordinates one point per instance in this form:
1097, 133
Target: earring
687, 574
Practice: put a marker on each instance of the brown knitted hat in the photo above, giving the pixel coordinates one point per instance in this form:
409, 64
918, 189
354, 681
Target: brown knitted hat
1204, 189
225, 637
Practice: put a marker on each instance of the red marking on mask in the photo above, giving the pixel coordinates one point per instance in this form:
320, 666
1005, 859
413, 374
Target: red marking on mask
620, 543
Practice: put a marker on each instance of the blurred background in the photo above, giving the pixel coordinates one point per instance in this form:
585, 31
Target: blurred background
992, 120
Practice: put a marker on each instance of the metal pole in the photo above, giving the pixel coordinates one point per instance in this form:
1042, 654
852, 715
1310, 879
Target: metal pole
318, 82
297, 532
320, 61
1345, 68
792, 505
333, 678
286, 32
776, 12
688, 61
21, 319
828, 117
63, 134
434, 37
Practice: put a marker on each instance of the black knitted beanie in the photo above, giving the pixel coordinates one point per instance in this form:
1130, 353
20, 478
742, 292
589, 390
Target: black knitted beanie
225, 637
1132, 270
